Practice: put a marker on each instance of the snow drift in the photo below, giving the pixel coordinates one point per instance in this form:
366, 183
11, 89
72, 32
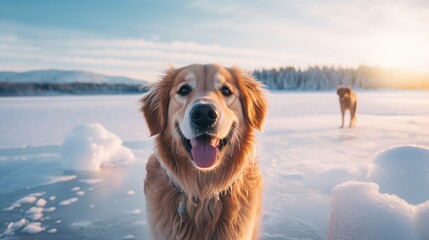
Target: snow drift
403, 171
88, 147
365, 210
360, 211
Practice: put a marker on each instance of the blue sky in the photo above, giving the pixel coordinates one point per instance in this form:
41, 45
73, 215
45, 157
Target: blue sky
139, 38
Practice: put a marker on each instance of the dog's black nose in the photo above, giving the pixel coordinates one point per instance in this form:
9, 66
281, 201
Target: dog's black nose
203, 115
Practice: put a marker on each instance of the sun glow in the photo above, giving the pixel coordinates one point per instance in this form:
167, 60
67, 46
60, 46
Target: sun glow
404, 51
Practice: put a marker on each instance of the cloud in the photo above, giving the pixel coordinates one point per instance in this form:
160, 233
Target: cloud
250, 34
138, 58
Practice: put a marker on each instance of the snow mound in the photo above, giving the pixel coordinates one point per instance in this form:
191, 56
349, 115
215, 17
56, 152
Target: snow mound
88, 147
360, 211
403, 171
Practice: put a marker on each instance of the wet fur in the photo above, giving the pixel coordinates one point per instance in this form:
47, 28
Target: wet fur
223, 203
348, 102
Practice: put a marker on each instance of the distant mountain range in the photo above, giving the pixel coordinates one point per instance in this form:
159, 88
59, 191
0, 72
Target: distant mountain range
58, 82
61, 76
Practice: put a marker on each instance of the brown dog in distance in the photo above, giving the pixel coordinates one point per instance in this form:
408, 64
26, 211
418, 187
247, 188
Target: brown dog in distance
348, 102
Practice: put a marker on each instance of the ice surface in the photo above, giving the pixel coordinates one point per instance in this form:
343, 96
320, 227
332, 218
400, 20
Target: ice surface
129, 237
302, 154
360, 211
134, 212
403, 171
88, 147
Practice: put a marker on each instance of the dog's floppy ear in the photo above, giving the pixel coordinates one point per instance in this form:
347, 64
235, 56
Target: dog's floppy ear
155, 103
252, 98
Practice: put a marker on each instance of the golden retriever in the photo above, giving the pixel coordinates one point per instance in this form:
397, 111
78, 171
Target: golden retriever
203, 181
348, 101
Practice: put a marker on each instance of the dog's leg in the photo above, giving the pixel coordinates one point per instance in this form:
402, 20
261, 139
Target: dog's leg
342, 117
353, 115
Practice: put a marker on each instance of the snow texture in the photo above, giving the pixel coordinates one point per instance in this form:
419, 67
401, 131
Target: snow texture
25, 200
68, 201
360, 211
35, 213
33, 228
129, 237
403, 171
41, 202
88, 147
13, 226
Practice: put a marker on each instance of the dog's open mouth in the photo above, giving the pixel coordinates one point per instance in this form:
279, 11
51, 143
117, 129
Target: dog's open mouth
205, 148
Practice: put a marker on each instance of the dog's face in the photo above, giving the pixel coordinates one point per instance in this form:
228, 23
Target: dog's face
205, 110
343, 92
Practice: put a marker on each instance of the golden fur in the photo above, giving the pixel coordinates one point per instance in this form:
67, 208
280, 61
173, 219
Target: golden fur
184, 201
348, 102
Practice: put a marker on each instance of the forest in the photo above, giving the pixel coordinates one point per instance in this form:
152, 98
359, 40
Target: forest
328, 78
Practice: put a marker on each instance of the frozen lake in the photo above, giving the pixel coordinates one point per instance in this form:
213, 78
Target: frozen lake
302, 152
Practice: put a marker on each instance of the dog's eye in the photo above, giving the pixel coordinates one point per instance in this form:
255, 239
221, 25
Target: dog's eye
225, 91
184, 90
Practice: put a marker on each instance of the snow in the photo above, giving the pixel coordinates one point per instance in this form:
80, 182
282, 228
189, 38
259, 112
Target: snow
75, 189
360, 211
129, 237
80, 193
25, 200
131, 192
88, 147
33, 228
35, 213
68, 201
41, 202
52, 230
302, 154
57, 179
91, 181
403, 171
13, 226
134, 212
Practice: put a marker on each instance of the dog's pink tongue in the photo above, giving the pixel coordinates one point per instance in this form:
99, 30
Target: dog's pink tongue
204, 151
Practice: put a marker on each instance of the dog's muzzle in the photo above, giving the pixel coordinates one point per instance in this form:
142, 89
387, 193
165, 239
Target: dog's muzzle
203, 118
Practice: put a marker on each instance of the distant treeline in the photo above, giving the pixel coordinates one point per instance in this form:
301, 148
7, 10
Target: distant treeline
51, 89
328, 78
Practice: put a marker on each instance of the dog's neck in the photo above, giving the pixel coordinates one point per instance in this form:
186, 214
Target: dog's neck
195, 198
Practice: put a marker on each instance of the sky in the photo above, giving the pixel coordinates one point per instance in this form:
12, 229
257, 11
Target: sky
140, 38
